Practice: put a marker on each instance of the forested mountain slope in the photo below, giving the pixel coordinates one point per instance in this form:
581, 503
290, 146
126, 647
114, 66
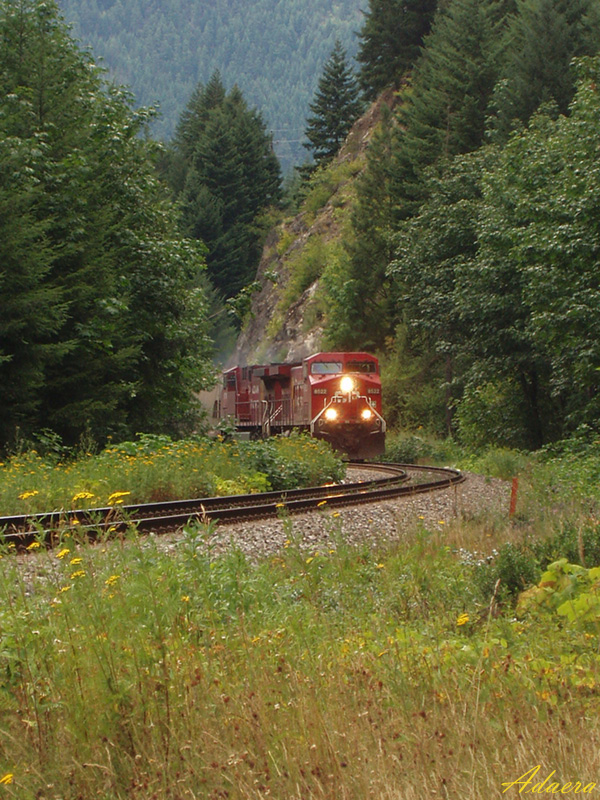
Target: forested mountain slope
273, 49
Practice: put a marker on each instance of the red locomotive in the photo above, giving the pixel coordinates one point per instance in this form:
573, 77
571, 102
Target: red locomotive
337, 396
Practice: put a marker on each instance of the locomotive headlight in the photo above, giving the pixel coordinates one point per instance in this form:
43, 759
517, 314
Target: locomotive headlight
366, 414
330, 414
346, 384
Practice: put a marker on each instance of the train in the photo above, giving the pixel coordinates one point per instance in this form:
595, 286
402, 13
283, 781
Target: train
336, 396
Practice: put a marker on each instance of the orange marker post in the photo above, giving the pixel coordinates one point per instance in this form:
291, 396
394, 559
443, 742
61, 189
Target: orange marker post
513, 497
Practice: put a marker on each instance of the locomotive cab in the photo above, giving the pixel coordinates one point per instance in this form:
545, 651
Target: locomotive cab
346, 402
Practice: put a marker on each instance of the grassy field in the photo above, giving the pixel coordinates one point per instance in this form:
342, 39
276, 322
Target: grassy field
450, 665
154, 468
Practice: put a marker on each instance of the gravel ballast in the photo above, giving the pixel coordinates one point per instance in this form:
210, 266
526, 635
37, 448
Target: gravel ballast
375, 524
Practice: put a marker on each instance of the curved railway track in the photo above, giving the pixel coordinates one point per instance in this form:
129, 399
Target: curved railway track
50, 528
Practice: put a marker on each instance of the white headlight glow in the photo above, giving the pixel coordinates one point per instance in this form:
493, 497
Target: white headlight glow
346, 384
366, 414
331, 414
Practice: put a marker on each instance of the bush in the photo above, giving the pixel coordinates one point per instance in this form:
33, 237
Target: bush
515, 566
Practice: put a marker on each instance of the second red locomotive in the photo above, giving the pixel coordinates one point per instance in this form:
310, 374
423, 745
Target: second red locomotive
336, 396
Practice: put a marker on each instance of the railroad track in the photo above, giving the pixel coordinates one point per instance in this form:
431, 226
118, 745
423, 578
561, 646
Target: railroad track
50, 528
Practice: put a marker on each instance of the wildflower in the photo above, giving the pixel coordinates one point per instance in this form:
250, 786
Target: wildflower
308, 560
64, 552
78, 574
336, 514
462, 619
421, 516
25, 495
185, 598
322, 503
33, 546
279, 505
112, 580
76, 561
117, 497
380, 566
8, 778
441, 522
82, 496
65, 589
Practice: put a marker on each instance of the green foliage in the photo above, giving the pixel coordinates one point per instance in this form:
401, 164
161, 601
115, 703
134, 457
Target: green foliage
542, 39
360, 304
444, 110
578, 543
509, 571
335, 107
153, 467
493, 414
498, 462
227, 175
98, 276
390, 41
571, 591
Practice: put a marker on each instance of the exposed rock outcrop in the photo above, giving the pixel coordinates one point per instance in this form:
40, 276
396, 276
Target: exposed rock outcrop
280, 329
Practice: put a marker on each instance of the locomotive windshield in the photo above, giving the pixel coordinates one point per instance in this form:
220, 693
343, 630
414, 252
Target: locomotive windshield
326, 367
361, 366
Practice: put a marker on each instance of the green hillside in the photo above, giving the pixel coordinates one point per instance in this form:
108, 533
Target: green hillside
274, 51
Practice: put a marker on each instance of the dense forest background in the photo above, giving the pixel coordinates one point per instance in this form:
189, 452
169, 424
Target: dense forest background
274, 50
468, 251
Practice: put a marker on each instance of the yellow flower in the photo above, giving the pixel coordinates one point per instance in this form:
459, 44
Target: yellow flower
380, 566
441, 522
322, 503
82, 496
76, 561
117, 497
308, 560
8, 778
63, 553
25, 495
33, 546
112, 580
79, 574
65, 589
462, 619
185, 598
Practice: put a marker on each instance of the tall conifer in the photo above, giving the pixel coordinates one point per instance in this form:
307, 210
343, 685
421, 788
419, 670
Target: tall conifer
542, 39
229, 176
391, 39
335, 108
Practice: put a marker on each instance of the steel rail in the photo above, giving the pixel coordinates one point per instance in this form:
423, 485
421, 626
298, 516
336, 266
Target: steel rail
22, 530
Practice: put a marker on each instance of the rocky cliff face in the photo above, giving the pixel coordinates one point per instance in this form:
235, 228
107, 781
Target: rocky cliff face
287, 316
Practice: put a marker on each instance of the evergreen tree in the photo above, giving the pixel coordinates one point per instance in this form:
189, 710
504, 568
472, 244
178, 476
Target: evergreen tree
229, 176
360, 303
118, 341
335, 107
542, 39
444, 111
391, 39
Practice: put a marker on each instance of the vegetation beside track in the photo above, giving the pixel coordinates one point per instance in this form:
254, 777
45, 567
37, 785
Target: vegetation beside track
434, 667
156, 468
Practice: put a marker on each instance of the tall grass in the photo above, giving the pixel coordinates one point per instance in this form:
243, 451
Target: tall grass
131, 672
156, 468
